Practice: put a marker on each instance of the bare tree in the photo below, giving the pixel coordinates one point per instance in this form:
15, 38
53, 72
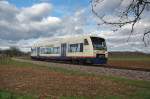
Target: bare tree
135, 9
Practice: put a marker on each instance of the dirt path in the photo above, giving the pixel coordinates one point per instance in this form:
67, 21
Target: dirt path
130, 74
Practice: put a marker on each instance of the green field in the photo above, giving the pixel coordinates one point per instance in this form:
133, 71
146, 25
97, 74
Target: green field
107, 87
130, 61
130, 58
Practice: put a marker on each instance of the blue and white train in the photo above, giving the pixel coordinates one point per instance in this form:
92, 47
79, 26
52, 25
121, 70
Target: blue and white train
81, 49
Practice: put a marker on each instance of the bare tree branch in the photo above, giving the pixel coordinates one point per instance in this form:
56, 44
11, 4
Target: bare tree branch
146, 33
134, 9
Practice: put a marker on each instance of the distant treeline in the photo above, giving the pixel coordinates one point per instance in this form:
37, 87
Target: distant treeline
128, 54
13, 51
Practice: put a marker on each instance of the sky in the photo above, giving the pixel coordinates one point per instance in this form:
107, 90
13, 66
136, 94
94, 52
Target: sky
25, 22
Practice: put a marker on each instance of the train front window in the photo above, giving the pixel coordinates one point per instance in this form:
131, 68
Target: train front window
86, 42
98, 43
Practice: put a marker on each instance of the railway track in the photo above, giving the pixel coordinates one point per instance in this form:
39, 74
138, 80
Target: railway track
106, 66
107, 70
126, 68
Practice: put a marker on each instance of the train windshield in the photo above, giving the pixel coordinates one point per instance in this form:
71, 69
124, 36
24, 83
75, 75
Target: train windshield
98, 43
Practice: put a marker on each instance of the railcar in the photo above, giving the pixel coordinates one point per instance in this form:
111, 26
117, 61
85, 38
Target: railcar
81, 49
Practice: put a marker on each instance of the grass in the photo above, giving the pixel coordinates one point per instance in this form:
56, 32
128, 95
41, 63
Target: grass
10, 95
54, 69
108, 97
137, 83
142, 87
133, 61
130, 58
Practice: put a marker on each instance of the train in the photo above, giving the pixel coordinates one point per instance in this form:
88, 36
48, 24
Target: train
79, 50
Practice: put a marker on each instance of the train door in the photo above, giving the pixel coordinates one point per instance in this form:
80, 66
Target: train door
63, 49
38, 51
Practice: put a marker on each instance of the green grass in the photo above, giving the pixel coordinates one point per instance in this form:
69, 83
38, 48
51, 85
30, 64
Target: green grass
54, 69
9, 95
142, 87
137, 83
17, 63
130, 58
70, 72
98, 97
142, 92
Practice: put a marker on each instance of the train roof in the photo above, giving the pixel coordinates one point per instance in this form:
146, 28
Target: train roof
59, 40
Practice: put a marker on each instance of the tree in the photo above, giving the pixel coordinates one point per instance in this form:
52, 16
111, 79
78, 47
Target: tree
12, 51
130, 14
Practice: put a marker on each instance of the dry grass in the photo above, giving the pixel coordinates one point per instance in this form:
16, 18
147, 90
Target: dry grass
43, 82
27, 78
131, 64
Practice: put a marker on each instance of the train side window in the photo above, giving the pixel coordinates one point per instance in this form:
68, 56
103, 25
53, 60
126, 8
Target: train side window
76, 47
42, 50
48, 50
86, 42
33, 50
56, 50
81, 47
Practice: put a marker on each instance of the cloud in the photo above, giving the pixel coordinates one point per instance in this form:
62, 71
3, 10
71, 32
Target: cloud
36, 21
7, 11
26, 23
31, 23
123, 40
74, 24
118, 41
35, 12
24, 26
104, 7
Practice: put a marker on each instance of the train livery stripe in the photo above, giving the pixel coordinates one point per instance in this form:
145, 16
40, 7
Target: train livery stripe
81, 56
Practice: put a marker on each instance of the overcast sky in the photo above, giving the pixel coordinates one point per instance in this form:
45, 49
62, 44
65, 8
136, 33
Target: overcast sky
24, 22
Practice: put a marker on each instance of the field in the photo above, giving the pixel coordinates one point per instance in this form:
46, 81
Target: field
130, 60
22, 80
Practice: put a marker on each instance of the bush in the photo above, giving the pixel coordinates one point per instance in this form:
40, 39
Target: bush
13, 51
4, 59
